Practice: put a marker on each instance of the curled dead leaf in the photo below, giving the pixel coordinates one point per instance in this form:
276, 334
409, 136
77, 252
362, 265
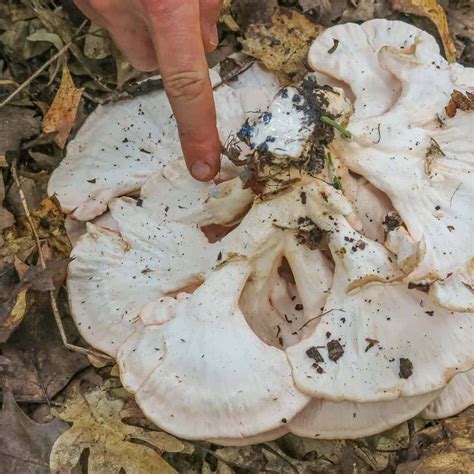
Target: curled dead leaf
432, 10
62, 113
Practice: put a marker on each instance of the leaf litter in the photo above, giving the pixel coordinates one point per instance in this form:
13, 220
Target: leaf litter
97, 425
59, 67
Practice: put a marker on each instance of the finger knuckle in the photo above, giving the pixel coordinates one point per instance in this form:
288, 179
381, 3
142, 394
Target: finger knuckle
185, 86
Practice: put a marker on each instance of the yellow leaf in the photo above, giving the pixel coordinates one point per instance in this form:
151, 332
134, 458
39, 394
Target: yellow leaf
62, 113
432, 10
97, 425
282, 45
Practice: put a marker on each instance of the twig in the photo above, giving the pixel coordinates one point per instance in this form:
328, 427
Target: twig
380, 135
234, 74
34, 361
28, 81
320, 316
412, 452
455, 191
42, 262
95, 100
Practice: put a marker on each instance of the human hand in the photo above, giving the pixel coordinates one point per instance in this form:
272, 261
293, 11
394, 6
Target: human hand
174, 36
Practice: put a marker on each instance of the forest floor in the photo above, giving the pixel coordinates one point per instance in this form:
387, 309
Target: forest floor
52, 395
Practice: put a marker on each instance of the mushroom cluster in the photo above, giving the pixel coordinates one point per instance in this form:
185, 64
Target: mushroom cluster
324, 285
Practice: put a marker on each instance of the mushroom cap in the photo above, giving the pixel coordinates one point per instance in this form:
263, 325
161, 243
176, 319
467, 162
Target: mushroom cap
206, 365
458, 395
113, 274
413, 353
121, 144
280, 312
401, 86
354, 61
373, 342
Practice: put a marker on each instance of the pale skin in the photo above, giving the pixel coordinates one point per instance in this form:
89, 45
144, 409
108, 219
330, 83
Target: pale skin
172, 36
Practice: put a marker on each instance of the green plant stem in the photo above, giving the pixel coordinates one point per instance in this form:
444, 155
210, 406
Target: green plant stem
344, 132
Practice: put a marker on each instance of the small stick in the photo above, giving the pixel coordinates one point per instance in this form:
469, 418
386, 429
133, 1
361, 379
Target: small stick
320, 316
234, 74
42, 263
41, 69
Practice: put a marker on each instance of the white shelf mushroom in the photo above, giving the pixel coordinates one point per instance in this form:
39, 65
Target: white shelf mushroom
287, 297
403, 142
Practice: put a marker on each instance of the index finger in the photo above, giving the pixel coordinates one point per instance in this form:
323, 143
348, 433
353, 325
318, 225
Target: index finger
176, 33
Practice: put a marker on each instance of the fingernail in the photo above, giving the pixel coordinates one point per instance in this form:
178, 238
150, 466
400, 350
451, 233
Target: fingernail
201, 171
214, 36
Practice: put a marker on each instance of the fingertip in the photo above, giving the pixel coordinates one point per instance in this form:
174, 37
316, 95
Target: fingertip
201, 171
204, 170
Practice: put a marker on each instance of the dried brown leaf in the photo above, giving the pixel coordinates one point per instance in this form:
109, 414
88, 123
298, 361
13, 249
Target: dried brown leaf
283, 44
30, 191
432, 10
17, 277
6, 218
51, 278
13, 301
61, 116
464, 102
35, 364
16, 124
97, 425
25, 444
